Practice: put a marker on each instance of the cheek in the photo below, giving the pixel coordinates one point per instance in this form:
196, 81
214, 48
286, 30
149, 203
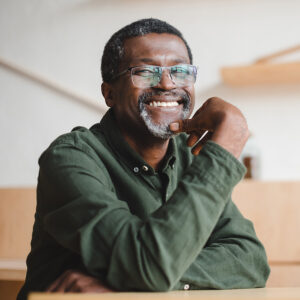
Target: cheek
127, 94
128, 105
191, 92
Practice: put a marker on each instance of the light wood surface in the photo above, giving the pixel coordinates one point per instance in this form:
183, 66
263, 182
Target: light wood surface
255, 294
284, 73
274, 209
283, 275
17, 207
272, 206
268, 204
12, 269
9, 289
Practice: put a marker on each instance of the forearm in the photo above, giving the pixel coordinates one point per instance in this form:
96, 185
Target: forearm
232, 258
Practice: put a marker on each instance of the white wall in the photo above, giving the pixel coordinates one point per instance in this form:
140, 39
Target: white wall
63, 40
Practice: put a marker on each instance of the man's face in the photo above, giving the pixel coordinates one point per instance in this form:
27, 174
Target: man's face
152, 109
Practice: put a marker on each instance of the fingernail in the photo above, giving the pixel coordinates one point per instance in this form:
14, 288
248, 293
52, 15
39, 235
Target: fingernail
174, 126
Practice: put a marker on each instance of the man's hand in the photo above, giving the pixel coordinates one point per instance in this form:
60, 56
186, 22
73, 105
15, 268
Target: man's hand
73, 281
223, 123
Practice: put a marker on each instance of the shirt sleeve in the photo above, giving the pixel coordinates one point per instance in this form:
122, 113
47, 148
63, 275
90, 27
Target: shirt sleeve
232, 258
86, 217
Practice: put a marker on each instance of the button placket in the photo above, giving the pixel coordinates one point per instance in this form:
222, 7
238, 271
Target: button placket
145, 168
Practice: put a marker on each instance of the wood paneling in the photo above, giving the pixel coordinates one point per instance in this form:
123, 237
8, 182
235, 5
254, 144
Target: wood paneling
274, 208
17, 207
9, 289
285, 275
12, 269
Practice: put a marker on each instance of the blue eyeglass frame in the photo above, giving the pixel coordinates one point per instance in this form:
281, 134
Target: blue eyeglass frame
160, 70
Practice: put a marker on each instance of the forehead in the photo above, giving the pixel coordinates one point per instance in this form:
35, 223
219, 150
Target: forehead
155, 48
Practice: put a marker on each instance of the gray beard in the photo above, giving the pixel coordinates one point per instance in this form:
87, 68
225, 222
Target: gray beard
161, 130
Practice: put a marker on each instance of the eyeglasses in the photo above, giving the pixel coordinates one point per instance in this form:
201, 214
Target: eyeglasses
150, 76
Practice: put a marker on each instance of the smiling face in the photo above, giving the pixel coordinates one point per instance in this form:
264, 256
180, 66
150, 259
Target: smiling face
144, 111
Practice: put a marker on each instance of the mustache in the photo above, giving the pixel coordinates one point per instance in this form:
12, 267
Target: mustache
147, 96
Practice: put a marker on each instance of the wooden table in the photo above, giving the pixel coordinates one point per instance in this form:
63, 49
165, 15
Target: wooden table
255, 294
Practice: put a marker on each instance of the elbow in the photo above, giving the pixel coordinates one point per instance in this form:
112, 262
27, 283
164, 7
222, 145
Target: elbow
262, 267
264, 272
160, 282
259, 272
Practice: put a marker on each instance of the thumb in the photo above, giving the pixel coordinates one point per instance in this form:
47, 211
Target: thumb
182, 126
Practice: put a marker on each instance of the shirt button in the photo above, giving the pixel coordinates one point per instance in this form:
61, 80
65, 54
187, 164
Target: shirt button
136, 169
145, 168
186, 287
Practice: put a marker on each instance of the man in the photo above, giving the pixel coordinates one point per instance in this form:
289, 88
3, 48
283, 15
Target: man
125, 205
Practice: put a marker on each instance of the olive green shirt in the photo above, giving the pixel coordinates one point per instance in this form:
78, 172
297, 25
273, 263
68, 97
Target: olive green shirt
102, 209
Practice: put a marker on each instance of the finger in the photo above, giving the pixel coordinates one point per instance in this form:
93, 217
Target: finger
186, 125
182, 126
87, 284
175, 126
72, 287
55, 285
194, 138
207, 136
64, 281
196, 150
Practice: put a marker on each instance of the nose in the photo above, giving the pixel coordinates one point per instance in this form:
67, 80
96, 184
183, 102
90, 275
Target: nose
166, 82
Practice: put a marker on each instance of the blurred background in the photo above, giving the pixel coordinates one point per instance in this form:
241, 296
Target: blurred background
61, 42
50, 79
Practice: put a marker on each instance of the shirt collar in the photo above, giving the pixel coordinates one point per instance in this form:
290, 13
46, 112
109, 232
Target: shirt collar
109, 128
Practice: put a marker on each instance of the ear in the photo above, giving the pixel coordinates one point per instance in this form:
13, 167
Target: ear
107, 93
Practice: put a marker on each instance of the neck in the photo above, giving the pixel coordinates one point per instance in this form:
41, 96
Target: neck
150, 148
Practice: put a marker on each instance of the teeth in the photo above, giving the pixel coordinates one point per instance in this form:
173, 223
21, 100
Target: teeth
158, 103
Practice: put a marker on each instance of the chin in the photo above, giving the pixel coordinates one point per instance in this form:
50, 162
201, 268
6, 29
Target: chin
159, 130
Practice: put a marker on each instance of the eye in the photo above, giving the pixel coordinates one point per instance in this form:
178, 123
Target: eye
144, 72
181, 70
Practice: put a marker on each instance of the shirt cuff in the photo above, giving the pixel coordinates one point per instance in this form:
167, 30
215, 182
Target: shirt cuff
218, 167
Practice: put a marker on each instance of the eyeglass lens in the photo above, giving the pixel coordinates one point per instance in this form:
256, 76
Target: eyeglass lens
149, 76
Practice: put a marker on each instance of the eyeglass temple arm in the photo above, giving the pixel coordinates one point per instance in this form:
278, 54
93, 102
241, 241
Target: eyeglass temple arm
120, 74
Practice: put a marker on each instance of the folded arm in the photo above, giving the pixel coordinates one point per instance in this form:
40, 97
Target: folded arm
232, 258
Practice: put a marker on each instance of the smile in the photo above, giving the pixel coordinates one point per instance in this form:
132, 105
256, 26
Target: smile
163, 103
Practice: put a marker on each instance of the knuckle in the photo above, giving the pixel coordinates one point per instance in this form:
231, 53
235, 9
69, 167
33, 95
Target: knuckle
186, 124
214, 99
73, 276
